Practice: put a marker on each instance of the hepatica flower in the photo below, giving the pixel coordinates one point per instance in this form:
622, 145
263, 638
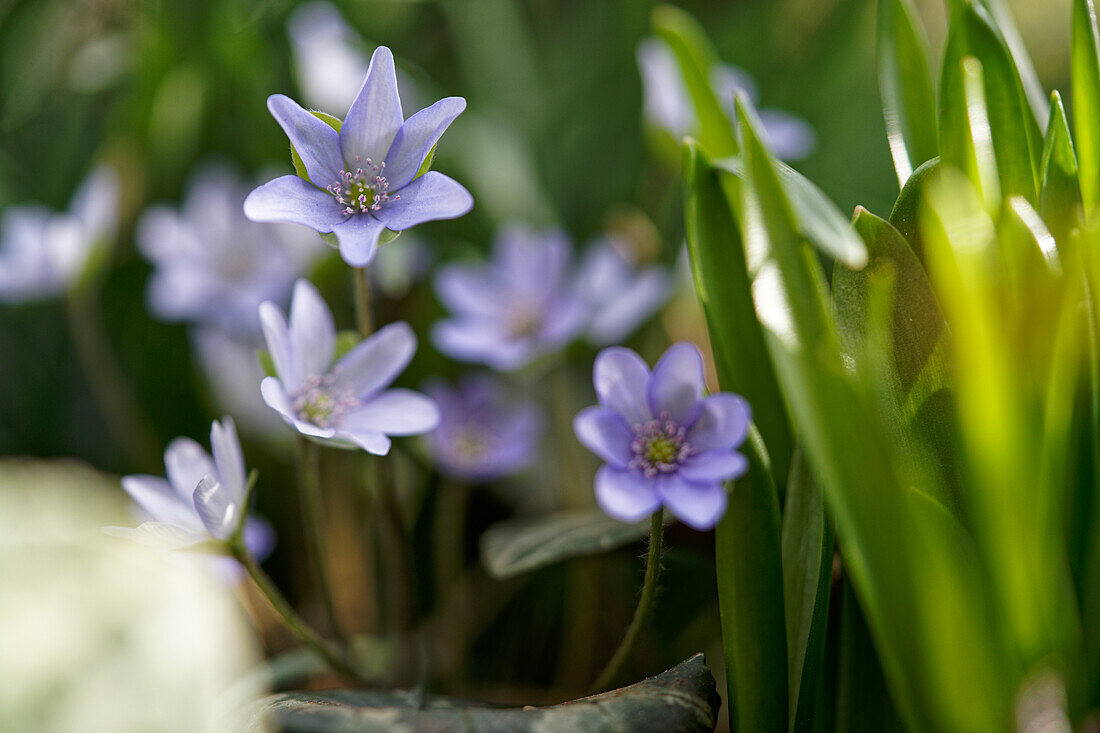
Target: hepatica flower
202, 498
363, 179
668, 105
43, 253
519, 306
662, 441
483, 433
619, 295
346, 404
212, 266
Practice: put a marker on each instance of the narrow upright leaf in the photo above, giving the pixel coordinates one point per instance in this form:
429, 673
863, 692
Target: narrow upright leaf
1085, 80
1059, 189
1004, 24
906, 85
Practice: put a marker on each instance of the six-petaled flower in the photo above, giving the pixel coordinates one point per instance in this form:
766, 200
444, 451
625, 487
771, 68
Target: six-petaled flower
662, 441
365, 178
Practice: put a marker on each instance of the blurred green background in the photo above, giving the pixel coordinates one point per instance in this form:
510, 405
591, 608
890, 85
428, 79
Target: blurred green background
553, 134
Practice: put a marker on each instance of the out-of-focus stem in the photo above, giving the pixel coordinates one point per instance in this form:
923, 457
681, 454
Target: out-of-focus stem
335, 657
112, 396
314, 511
364, 315
645, 606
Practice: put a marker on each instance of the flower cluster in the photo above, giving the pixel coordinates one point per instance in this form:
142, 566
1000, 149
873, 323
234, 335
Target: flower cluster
529, 300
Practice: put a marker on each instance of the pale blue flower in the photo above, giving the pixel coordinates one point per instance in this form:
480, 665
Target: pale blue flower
43, 253
484, 432
202, 498
327, 52
620, 296
363, 180
521, 305
211, 265
346, 404
668, 105
233, 375
663, 443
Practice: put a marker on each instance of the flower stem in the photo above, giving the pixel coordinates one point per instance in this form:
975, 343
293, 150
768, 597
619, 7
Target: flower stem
314, 511
645, 606
336, 658
364, 316
112, 396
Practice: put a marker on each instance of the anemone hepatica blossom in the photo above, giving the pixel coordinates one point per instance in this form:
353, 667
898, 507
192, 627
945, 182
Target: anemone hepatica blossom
363, 179
212, 266
345, 404
662, 441
42, 253
519, 306
668, 104
483, 434
619, 296
202, 498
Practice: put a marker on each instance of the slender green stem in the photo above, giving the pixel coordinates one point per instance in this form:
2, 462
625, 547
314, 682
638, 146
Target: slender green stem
112, 396
335, 657
364, 315
314, 512
645, 605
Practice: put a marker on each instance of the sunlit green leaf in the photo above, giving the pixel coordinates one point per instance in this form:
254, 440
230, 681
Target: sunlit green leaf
906, 85
1059, 189
1085, 77
905, 216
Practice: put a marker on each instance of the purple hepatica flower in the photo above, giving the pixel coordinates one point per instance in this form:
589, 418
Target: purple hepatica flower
347, 404
482, 435
202, 498
363, 179
668, 104
663, 443
43, 253
212, 265
619, 297
514, 309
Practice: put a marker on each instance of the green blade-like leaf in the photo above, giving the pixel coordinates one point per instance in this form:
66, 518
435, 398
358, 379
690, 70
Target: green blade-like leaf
807, 579
905, 216
1085, 81
521, 545
999, 11
1059, 188
747, 539
906, 85
1012, 133
722, 285
816, 217
680, 699
863, 702
696, 57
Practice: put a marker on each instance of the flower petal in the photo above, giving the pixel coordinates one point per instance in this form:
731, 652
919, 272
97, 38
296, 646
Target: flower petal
676, 385
394, 412
417, 136
620, 377
186, 463
629, 307
432, 196
372, 441
358, 237
156, 498
469, 289
375, 362
259, 537
290, 199
274, 394
312, 331
698, 505
481, 341
228, 459
625, 495
277, 337
723, 424
215, 508
317, 144
714, 465
790, 136
375, 115
604, 432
